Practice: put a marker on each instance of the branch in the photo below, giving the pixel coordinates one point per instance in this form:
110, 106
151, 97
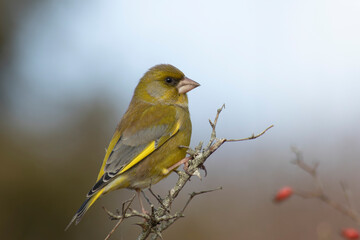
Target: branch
161, 218
319, 192
251, 137
121, 218
193, 194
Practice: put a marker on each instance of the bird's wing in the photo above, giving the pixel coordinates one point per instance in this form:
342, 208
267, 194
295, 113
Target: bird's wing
130, 146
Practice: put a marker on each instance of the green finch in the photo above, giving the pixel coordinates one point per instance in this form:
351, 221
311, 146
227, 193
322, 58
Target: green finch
146, 143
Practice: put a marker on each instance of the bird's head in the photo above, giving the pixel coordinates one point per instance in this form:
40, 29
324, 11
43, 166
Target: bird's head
164, 83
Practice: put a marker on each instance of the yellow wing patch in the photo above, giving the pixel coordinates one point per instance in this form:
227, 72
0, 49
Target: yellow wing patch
112, 144
149, 149
94, 198
176, 129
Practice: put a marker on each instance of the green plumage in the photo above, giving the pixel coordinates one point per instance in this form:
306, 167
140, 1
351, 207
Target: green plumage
147, 139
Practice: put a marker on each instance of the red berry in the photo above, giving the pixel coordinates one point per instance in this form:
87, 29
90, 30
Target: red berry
350, 233
283, 194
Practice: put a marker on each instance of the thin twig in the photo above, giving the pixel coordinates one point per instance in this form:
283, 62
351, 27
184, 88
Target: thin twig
320, 194
299, 161
251, 137
346, 192
193, 194
146, 198
122, 217
213, 126
158, 198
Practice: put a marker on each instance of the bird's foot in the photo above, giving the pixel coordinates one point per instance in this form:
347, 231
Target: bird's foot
182, 161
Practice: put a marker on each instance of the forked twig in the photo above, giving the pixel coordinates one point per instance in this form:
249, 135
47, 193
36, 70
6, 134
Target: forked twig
121, 218
319, 192
251, 137
193, 194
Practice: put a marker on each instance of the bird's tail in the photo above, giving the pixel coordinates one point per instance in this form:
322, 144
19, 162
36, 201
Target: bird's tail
84, 207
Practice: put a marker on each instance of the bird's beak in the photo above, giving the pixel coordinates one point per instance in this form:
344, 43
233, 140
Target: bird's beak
186, 84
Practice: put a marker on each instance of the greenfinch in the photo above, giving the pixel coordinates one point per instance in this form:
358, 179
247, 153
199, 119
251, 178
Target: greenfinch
146, 143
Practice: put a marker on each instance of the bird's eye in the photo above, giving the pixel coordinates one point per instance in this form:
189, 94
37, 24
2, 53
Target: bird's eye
169, 80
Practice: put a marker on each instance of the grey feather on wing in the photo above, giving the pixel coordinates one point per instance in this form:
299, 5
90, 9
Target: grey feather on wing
128, 147
145, 136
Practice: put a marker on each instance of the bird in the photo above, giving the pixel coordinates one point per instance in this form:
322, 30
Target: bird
148, 143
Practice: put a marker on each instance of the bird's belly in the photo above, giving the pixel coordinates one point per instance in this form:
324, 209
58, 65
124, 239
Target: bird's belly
146, 182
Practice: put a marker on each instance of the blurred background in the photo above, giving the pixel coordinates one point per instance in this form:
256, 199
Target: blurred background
67, 74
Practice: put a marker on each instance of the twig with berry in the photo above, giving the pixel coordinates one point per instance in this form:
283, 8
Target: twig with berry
319, 193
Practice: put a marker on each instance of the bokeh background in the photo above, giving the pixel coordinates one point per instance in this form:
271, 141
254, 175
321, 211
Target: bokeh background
68, 70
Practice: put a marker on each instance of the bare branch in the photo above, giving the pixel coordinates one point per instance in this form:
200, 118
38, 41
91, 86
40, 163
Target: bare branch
299, 161
251, 137
121, 218
193, 194
320, 194
213, 126
348, 197
161, 218
158, 198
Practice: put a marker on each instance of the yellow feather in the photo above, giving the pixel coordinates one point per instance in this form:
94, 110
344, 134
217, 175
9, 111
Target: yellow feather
149, 149
94, 198
112, 144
